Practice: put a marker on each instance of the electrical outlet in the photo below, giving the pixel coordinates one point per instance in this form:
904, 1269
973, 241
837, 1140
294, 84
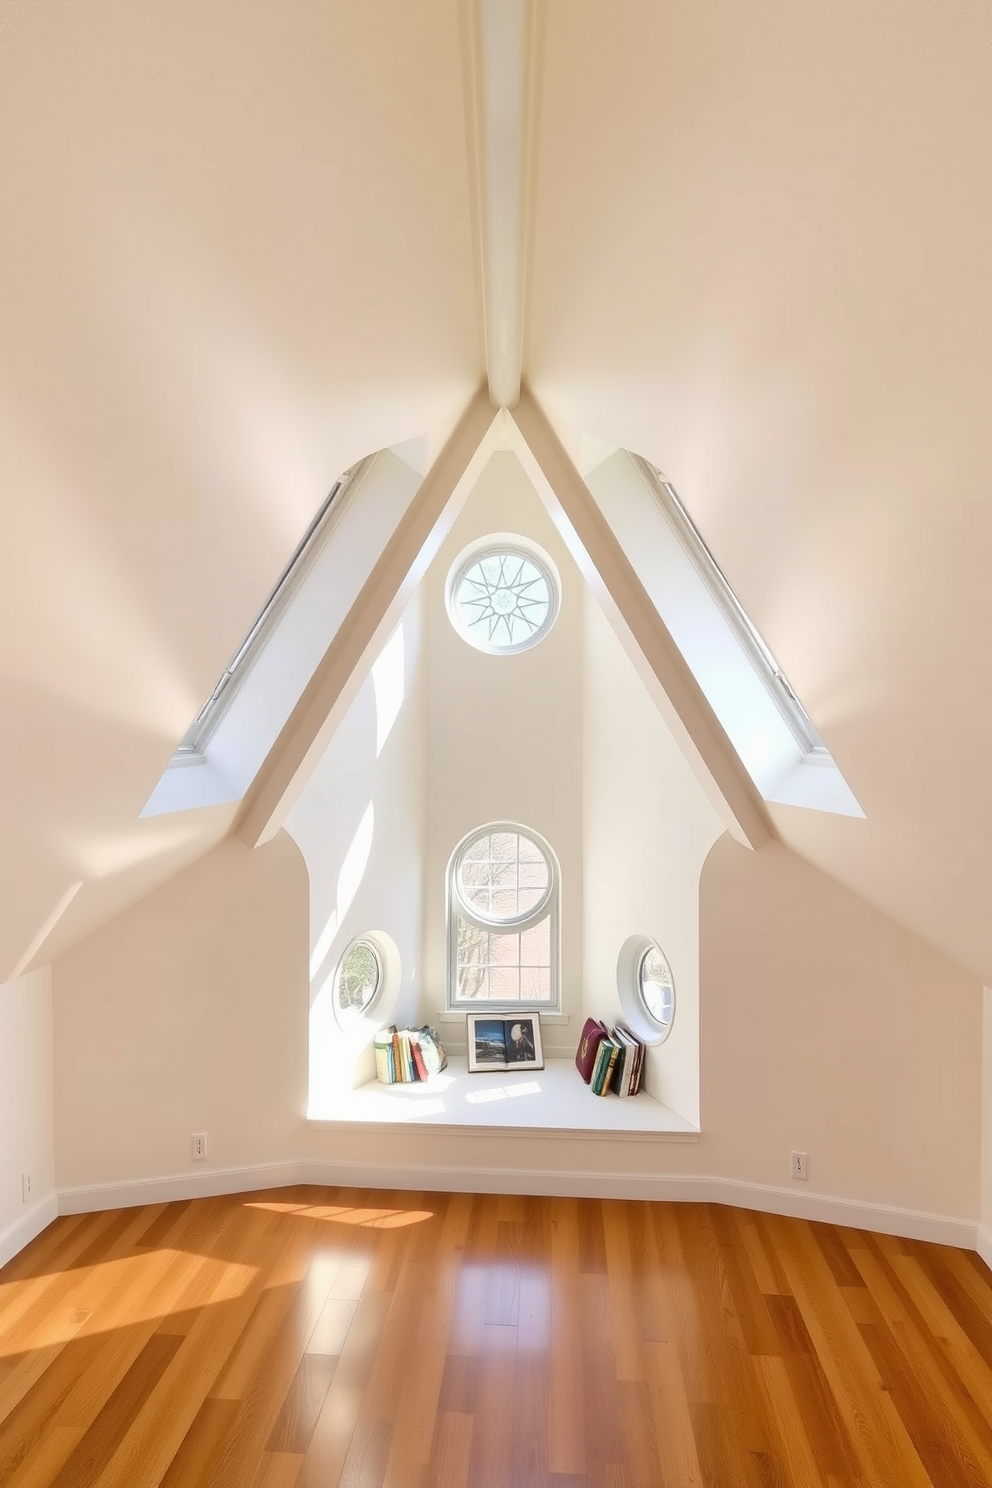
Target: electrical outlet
198, 1146
800, 1165
25, 1187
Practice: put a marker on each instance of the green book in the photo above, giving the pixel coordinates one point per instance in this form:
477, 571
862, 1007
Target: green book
611, 1065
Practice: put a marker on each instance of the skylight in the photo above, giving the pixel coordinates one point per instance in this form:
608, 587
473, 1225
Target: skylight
765, 722
764, 663
190, 750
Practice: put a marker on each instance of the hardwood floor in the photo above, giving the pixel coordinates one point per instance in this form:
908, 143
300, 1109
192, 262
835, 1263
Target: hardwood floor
314, 1337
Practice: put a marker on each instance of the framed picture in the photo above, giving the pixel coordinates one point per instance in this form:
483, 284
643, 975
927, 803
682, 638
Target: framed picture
510, 1041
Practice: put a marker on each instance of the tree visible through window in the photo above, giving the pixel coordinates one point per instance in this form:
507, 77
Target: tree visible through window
358, 978
503, 920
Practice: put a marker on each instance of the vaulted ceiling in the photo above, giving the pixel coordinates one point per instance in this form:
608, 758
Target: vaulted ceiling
243, 245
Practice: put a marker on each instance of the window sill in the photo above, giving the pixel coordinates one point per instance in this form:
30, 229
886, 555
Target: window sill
554, 1099
457, 1015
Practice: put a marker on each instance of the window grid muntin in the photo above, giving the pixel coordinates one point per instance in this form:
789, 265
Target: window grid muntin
497, 578
548, 912
503, 552
468, 901
536, 958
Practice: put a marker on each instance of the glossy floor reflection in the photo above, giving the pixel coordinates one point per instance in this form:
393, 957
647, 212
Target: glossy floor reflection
320, 1337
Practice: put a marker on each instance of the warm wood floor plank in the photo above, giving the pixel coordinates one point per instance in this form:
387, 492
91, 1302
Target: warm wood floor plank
310, 1338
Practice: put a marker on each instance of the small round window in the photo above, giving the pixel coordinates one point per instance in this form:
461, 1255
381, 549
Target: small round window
655, 986
503, 597
358, 979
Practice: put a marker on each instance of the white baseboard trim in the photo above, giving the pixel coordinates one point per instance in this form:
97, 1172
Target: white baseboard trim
31, 1223
984, 1246
911, 1224
203, 1185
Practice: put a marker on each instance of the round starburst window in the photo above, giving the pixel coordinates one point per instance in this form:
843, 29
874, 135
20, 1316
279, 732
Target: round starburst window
503, 596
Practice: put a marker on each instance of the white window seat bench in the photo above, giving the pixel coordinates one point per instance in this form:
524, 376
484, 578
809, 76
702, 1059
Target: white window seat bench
554, 1099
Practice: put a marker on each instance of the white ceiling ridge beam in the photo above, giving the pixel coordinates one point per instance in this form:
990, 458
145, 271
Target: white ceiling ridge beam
376, 610
646, 637
503, 65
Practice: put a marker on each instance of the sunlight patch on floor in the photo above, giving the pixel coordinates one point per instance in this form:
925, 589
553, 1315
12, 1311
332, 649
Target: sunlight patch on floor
369, 1219
111, 1294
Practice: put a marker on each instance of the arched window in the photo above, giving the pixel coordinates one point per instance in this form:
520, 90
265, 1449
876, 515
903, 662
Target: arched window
503, 891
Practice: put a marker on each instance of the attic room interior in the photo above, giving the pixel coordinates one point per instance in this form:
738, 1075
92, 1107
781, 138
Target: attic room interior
495, 557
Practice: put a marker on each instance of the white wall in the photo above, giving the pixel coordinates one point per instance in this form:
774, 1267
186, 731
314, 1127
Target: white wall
359, 823
26, 1117
187, 1013
824, 1027
985, 1236
504, 740
648, 827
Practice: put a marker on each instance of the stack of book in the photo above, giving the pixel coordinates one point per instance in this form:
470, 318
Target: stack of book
404, 1055
611, 1061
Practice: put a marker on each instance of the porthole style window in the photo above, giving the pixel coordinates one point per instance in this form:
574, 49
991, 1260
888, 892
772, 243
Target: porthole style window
358, 979
646, 988
503, 595
655, 986
503, 920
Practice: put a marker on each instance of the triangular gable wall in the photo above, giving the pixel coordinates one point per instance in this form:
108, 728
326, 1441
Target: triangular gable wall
600, 559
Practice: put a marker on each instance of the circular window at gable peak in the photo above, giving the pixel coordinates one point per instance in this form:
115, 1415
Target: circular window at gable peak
503, 595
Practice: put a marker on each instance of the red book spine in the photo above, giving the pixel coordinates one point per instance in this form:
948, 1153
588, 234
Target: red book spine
418, 1060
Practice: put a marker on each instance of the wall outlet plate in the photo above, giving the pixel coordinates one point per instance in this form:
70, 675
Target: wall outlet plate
198, 1146
25, 1188
800, 1165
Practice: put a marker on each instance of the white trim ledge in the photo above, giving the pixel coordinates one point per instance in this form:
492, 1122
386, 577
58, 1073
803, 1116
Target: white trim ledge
14, 1238
911, 1224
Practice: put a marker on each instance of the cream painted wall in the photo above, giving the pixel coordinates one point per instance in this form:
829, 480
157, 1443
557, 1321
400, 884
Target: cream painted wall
828, 1028
647, 827
187, 1013
986, 1210
359, 823
504, 737
26, 1120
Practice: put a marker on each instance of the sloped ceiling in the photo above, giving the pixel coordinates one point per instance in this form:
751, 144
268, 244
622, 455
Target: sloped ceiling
237, 253
761, 247
235, 256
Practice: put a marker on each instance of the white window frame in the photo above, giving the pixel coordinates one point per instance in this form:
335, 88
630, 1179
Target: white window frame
779, 688
346, 1017
191, 749
550, 909
502, 545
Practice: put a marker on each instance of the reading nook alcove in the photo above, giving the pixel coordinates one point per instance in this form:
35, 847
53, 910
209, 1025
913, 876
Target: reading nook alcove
503, 821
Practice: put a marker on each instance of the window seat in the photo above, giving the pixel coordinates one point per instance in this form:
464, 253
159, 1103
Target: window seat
554, 1099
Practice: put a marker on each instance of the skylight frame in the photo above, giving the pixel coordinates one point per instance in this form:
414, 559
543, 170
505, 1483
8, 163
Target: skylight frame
767, 669
191, 749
